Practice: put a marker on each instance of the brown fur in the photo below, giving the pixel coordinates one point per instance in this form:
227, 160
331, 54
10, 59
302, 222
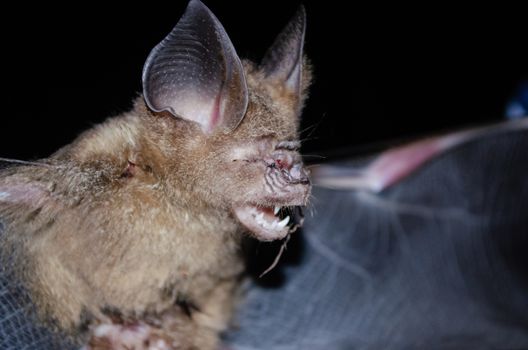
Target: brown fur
137, 212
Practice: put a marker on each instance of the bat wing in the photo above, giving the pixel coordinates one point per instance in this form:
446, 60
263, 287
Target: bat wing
436, 260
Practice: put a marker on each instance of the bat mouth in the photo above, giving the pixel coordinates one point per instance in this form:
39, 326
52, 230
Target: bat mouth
265, 223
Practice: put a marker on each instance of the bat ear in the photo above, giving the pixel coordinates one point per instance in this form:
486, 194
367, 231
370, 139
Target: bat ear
195, 73
18, 190
283, 60
26, 194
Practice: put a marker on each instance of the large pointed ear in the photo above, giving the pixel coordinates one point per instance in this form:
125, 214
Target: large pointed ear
18, 189
283, 60
24, 193
195, 73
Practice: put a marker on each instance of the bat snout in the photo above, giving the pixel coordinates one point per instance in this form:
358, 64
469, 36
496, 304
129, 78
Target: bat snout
299, 174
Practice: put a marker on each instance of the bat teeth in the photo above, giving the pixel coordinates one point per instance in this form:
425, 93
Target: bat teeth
284, 222
260, 218
276, 224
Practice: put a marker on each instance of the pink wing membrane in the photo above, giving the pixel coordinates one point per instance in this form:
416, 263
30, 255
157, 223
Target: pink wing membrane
397, 163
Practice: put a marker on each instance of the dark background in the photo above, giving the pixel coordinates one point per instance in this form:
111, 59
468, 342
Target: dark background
381, 73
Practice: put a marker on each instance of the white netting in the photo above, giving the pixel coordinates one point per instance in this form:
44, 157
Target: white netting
18, 329
437, 262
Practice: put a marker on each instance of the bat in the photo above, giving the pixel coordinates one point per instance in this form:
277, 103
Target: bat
131, 236
420, 247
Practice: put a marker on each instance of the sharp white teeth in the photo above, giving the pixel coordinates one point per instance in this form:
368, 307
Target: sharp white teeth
284, 222
275, 224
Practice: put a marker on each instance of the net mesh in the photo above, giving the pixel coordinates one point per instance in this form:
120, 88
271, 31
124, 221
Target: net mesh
18, 327
436, 262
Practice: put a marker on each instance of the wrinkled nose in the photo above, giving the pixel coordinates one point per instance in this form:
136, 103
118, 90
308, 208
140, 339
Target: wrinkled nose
291, 167
299, 174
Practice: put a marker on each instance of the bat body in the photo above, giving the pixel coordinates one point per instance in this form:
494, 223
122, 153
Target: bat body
131, 235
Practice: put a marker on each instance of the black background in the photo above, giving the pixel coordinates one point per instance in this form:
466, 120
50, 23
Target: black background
381, 72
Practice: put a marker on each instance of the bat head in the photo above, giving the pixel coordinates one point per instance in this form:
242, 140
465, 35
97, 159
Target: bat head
231, 125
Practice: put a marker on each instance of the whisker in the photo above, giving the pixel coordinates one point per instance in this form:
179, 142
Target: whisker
308, 128
308, 139
314, 156
24, 162
314, 126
